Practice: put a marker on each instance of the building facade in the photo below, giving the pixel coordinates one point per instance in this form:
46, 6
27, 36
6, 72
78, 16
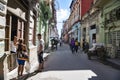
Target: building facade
91, 30
74, 27
111, 23
78, 9
18, 18
3, 60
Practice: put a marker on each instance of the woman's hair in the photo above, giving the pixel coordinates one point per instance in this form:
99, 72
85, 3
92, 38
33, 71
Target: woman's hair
39, 35
20, 41
20, 45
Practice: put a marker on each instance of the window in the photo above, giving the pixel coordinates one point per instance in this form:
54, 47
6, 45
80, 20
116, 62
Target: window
118, 13
93, 27
7, 32
113, 15
20, 29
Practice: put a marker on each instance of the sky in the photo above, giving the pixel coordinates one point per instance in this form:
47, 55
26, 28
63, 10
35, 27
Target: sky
63, 12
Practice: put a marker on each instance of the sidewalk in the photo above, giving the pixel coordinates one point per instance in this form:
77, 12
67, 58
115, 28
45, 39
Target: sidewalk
114, 63
13, 74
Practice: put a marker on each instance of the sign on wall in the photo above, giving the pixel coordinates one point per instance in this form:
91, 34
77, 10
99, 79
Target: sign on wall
2, 9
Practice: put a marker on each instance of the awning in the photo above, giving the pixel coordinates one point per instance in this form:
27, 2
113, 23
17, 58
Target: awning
17, 12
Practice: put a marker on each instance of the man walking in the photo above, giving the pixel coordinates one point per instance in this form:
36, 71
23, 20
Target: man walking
40, 49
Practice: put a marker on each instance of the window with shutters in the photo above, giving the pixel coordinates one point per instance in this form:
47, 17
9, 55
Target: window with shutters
20, 29
7, 32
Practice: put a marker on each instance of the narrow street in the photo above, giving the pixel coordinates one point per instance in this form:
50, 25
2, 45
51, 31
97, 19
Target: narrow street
63, 65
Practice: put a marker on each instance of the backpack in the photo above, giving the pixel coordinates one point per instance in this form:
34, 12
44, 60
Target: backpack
76, 43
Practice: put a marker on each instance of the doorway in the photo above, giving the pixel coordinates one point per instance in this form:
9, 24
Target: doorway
14, 27
92, 35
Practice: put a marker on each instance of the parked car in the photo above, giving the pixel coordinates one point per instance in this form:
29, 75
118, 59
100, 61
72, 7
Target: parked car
98, 50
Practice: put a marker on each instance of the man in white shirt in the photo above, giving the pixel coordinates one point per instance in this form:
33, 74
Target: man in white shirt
40, 49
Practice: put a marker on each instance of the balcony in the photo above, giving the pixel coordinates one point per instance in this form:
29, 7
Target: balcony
101, 3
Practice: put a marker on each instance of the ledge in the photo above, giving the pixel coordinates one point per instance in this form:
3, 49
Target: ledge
4, 2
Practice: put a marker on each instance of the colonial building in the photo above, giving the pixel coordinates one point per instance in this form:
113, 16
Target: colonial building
78, 9
18, 18
3, 60
91, 30
110, 18
75, 23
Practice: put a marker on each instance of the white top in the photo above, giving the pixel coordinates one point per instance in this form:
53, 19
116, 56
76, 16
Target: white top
40, 42
96, 45
13, 47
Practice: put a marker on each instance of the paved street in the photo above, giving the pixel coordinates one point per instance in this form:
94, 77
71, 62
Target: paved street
63, 65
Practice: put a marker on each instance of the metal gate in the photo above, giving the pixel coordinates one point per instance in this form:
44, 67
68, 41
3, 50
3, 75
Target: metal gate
113, 38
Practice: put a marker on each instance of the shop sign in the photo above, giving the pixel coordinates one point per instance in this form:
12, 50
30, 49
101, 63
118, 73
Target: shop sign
2, 21
2, 8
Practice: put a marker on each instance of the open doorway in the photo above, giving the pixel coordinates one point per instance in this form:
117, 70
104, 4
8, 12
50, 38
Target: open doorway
92, 35
14, 27
94, 38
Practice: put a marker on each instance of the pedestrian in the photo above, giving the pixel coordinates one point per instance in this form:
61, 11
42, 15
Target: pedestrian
86, 47
52, 44
40, 50
60, 41
56, 43
76, 45
22, 56
83, 45
72, 45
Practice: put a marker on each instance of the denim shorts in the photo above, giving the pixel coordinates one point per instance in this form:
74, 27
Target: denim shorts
21, 62
40, 57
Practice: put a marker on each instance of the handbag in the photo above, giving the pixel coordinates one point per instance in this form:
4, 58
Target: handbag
27, 67
22, 55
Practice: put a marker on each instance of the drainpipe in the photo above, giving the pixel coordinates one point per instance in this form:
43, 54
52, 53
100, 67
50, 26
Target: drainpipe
27, 25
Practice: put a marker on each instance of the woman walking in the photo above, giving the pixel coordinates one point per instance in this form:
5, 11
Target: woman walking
21, 56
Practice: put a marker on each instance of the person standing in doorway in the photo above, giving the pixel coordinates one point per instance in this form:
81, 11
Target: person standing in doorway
13, 56
40, 49
86, 47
